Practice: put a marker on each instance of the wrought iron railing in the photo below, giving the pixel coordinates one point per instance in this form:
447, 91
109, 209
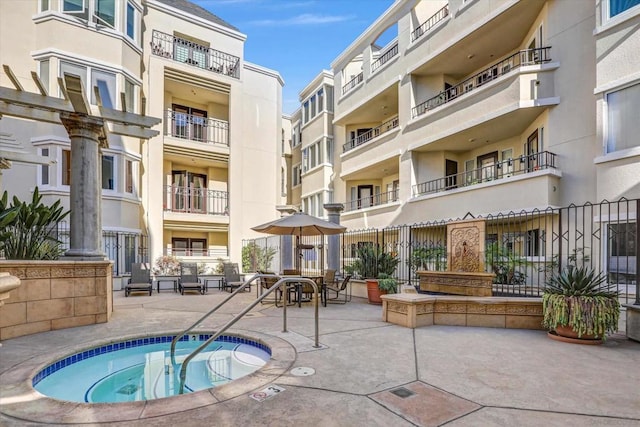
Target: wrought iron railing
504, 169
196, 200
196, 128
352, 83
371, 201
523, 248
197, 55
429, 23
523, 57
370, 134
384, 58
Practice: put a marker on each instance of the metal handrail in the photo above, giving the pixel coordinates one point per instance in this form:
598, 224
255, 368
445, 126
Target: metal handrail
282, 282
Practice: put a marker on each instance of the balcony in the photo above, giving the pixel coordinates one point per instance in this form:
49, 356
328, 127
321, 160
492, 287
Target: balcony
215, 252
371, 201
384, 58
369, 135
195, 200
196, 55
429, 23
522, 58
355, 81
196, 128
501, 170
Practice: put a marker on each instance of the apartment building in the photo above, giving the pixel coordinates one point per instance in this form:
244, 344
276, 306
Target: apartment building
484, 106
193, 191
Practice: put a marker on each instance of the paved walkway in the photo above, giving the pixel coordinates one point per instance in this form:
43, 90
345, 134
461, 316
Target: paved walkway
370, 373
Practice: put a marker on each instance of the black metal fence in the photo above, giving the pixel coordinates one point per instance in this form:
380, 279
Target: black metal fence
523, 249
122, 247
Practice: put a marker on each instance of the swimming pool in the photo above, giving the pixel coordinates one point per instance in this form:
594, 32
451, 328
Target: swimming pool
141, 369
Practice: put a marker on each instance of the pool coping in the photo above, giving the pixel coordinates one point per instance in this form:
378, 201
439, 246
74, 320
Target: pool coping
21, 401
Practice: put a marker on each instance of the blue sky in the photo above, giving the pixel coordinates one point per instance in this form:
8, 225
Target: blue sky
297, 38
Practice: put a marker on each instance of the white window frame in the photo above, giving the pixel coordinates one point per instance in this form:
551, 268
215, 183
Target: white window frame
114, 172
605, 119
606, 10
296, 178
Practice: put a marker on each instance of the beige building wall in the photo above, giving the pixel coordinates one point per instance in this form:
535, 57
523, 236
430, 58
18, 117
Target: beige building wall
165, 64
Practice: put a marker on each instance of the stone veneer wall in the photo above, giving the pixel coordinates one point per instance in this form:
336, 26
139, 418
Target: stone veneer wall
56, 295
416, 310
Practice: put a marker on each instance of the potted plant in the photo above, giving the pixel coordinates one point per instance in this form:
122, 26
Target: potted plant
577, 308
374, 265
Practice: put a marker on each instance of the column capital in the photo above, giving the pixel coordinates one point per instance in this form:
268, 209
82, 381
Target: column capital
83, 126
334, 207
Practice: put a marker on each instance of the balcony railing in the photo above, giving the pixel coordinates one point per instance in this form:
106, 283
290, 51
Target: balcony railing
196, 128
196, 252
505, 169
195, 200
370, 201
523, 57
370, 134
429, 23
182, 50
352, 83
384, 58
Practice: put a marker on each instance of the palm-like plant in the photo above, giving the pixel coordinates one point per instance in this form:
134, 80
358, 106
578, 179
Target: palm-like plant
577, 298
27, 231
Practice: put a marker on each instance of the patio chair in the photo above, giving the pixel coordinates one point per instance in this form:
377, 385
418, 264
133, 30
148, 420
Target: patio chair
267, 283
306, 291
232, 279
343, 288
140, 280
188, 280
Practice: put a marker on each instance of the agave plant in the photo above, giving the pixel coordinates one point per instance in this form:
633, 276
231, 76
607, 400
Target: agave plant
577, 298
29, 234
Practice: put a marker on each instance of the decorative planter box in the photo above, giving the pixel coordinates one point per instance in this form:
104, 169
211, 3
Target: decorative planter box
415, 310
457, 283
56, 295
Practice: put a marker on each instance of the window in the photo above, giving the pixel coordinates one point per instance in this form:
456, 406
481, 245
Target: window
189, 247
44, 169
189, 123
74, 6
313, 106
129, 251
312, 156
131, 21
108, 173
105, 12
534, 243
320, 100
329, 148
128, 176
129, 96
305, 112
469, 175
616, 7
296, 176
622, 125
76, 70
329, 98
44, 73
66, 167
189, 192
106, 83
44, 5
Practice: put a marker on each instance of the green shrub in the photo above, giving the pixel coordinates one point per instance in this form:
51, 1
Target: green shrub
28, 229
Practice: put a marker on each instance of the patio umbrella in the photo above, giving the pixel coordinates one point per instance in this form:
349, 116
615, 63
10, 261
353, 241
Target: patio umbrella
300, 224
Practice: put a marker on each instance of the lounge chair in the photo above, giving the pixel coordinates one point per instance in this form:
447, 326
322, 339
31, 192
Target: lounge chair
140, 280
343, 288
188, 280
232, 279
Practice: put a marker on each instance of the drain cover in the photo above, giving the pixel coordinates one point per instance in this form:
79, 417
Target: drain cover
302, 372
402, 392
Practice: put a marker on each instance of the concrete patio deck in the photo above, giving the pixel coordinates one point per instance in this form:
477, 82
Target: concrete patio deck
457, 376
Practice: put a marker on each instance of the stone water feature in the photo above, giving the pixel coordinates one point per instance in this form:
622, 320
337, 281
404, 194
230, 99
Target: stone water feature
465, 273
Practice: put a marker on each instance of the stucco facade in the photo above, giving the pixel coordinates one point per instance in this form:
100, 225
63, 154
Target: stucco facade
485, 106
193, 191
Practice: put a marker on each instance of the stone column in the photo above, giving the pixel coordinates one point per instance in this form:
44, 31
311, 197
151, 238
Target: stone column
333, 252
86, 134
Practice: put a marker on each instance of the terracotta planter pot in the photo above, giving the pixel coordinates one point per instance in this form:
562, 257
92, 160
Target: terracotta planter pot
567, 334
374, 292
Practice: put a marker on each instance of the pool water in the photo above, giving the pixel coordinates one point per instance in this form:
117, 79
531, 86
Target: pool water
142, 370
